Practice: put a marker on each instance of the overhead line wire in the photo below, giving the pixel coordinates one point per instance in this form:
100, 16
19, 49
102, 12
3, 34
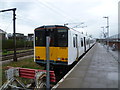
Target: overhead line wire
58, 9
8, 26
55, 7
52, 9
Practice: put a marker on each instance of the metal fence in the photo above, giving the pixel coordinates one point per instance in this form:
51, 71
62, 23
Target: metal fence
115, 38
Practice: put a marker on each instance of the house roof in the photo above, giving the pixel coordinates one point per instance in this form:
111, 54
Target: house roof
1, 31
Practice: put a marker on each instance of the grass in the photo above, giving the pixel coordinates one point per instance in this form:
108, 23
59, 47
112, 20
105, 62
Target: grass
25, 63
11, 52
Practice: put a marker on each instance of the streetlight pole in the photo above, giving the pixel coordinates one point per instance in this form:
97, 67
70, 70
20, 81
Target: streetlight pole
103, 32
102, 39
107, 32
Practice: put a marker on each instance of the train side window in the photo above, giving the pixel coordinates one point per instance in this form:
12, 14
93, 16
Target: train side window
73, 41
40, 38
81, 42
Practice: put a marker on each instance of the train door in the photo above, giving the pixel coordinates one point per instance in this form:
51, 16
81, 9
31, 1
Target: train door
51, 32
89, 42
77, 46
84, 44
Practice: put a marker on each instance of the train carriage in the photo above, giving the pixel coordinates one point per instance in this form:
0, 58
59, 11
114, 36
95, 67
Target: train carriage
66, 44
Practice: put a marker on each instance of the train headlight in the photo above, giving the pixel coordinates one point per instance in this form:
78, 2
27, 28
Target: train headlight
58, 59
38, 57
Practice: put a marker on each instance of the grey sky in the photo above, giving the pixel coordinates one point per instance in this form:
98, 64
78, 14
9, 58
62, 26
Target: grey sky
34, 13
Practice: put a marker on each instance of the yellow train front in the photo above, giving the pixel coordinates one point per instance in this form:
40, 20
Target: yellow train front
58, 44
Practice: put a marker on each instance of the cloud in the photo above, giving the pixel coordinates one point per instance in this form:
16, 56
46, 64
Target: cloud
17, 0
24, 29
34, 13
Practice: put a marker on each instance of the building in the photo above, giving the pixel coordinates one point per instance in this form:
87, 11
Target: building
19, 36
30, 37
2, 35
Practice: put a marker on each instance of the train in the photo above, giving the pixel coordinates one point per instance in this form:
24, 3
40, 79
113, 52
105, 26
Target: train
66, 44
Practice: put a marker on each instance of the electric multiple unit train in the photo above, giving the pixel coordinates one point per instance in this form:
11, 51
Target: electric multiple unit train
66, 45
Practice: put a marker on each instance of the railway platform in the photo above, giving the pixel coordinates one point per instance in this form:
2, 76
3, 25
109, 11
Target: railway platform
97, 69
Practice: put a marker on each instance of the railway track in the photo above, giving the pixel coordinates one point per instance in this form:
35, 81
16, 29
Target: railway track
18, 54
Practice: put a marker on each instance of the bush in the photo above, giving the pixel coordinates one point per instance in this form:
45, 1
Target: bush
5, 51
9, 44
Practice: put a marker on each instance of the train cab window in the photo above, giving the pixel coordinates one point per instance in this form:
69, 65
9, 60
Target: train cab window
58, 37
39, 38
51, 33
62, 36
81, 42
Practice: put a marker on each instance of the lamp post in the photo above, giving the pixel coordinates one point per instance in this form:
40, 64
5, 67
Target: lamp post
103, 32
107, 32
104, 35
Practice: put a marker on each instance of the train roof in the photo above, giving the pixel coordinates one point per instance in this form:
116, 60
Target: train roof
52, 26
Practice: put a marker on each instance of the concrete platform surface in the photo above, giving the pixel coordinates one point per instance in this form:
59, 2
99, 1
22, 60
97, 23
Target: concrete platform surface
97, 69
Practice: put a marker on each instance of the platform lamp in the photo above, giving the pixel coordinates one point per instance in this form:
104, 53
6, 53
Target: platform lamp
107, 32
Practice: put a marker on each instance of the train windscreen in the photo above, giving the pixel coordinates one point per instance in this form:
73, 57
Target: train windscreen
62, 36
40, 38
59, 37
